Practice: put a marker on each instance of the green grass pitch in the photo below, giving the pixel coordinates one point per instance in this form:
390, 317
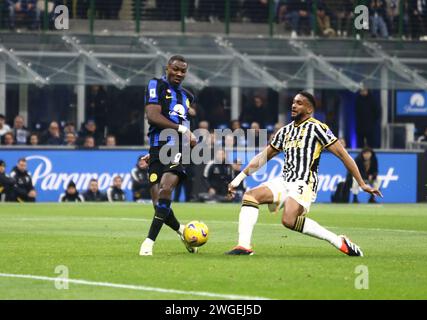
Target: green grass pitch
100, 244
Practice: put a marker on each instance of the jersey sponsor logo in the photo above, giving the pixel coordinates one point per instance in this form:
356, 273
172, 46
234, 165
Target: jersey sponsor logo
46, 178
178, 110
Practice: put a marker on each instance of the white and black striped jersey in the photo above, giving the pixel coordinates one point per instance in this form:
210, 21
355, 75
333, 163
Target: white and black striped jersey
302, 145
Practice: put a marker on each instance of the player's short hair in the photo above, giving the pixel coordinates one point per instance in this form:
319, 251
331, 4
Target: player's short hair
22, 160
93, 180
176, 57
309, 97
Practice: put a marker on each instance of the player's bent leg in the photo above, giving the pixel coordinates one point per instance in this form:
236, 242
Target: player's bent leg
294, 219
248, 218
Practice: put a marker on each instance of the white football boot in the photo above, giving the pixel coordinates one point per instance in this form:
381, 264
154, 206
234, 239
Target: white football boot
146, 248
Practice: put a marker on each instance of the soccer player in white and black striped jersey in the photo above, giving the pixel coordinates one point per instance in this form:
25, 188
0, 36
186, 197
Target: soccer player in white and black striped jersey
302, 142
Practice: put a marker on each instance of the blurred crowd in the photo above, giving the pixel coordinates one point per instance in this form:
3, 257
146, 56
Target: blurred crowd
327, 18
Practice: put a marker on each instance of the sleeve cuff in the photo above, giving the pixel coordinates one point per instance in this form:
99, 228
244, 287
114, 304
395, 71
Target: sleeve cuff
331, 143
274, 147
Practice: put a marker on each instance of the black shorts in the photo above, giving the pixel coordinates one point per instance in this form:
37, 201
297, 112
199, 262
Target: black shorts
156, 168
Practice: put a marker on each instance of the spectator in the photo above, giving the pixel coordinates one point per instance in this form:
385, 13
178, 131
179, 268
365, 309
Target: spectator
235, 124
392, 15
8, 139
423, 137
70, 139
378, 16
324, 20
367, 118
115, 192
418, 17
53, 135
90, 129
24, 182
26, 8
297, 13
256, 112
3, 126
368, 166
71, 194
70, 128
6, 183
34, 139
217, 175
140, 182
89, 143
342, 15
93, 194
110, 140
20, 132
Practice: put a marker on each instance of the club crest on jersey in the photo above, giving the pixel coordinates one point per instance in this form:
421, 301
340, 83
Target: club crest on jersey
178, 110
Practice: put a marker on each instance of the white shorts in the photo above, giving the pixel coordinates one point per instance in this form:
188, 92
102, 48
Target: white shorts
300, 191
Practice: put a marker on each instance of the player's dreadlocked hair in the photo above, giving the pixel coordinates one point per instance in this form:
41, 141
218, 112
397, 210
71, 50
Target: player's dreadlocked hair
176, 58
309, 97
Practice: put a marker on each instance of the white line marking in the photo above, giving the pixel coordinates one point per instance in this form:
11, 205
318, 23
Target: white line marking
207, 221
133, 287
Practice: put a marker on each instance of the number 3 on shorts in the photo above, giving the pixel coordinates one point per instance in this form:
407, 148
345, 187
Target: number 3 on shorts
300, 189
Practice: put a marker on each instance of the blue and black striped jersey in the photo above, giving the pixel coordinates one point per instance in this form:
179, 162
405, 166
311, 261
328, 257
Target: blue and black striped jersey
174, 102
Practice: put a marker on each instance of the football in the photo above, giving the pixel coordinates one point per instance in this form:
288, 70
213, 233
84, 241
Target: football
196, 233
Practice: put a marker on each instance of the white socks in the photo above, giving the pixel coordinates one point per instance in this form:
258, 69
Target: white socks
249, 216
247, 220
313, 229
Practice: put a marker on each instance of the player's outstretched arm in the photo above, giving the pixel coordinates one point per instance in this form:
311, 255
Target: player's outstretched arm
254, 165
338, 150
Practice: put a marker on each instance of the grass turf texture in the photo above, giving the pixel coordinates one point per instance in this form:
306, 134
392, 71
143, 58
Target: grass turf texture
101, 243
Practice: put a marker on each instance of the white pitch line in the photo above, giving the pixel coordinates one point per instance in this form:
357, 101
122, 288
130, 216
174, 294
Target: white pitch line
208, 221
133, 287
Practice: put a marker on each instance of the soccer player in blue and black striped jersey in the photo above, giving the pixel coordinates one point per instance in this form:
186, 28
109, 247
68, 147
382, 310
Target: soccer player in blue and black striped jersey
167, 105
